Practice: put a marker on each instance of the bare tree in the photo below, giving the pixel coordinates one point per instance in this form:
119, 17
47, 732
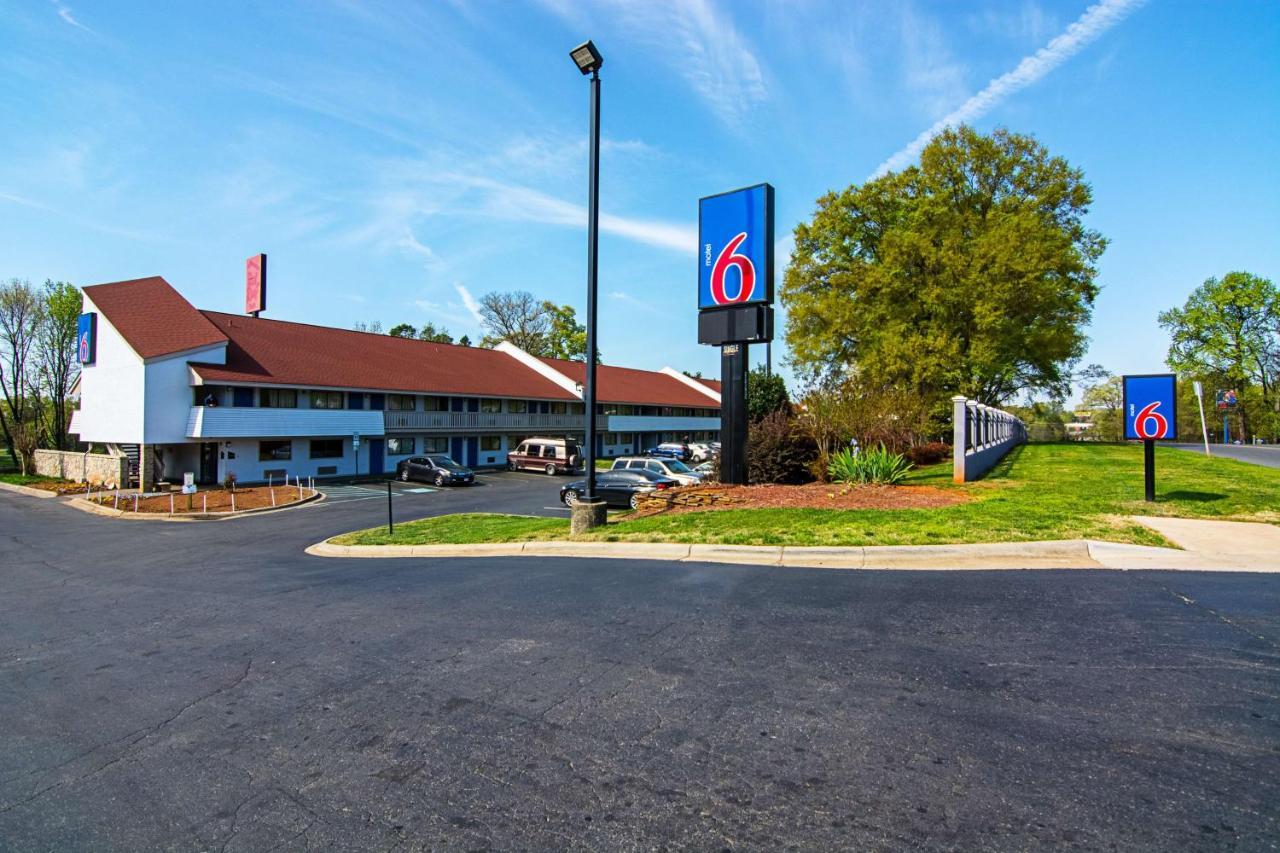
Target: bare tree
518, 317
21, 315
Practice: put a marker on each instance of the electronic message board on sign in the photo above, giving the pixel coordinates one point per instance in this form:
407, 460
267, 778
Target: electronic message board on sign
735, 248
1151, 407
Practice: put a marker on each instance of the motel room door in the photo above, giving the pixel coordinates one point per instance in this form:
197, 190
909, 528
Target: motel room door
208, 462
376, 462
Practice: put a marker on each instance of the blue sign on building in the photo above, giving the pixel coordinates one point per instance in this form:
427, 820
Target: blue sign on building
735, 248
1151, 407
87, 338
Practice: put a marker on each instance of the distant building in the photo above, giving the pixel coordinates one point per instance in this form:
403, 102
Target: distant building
183, 390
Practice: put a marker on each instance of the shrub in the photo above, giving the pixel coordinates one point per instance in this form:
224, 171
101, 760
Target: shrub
877, 465
929, 453
780, 449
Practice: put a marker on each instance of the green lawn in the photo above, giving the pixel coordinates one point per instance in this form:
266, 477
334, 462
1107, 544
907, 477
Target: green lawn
1044, 491
15, 479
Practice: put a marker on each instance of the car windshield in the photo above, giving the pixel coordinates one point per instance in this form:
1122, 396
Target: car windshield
445, 462
677, 466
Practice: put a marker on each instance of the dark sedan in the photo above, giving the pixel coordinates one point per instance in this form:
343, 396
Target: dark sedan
436, 468
621, 488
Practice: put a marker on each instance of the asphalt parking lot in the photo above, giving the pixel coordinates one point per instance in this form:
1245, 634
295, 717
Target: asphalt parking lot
211, 687
519, 492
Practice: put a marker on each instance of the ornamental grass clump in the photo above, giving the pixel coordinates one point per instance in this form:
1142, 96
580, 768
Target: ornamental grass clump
875, 465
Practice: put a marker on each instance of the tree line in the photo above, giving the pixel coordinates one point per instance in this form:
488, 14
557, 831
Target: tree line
38, 365
538, 326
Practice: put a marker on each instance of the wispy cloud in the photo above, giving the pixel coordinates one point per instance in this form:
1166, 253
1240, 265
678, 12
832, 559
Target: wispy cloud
411, 244
64, 12
1095, 21
639, 304
697, 40
469, 302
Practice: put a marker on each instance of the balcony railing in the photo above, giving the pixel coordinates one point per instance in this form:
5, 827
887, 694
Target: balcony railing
487, 422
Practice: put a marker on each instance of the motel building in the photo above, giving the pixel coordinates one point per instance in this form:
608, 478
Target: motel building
214, 394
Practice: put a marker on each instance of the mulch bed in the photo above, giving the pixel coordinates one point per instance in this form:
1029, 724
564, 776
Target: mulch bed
810, 496
207, 500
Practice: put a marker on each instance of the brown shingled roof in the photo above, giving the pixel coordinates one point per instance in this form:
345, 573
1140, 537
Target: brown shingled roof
153, 317
283, 353
628, 385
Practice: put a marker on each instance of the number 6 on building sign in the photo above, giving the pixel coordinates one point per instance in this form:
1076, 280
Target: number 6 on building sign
1150, 424
746, 271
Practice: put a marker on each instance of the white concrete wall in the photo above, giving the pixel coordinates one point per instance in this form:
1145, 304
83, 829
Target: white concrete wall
111, 389
168, 395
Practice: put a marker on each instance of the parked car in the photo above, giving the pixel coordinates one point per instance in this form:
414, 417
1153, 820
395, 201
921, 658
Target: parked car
700, 451
668, 450
710, 468
662, 466
618, 488
550, 455
436, 468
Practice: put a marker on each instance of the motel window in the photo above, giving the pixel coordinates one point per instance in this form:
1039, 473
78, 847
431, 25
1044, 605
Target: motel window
559, 408
242, 398
491, 406
435, 444
326, 448
399, 446
577, 408
277, 398
490, 442
518, 407
401, 403
275, 451
326, 400
435, 404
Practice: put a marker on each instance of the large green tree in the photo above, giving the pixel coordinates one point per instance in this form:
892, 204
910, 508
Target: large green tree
971, 273
539, 327
56, 356
1228, 330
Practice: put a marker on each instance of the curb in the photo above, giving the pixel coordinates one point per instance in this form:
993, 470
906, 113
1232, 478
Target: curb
1060, 554
1064, 554
27, 490
88, 506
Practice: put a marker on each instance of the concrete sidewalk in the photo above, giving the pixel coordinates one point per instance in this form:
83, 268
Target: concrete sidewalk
1209, 545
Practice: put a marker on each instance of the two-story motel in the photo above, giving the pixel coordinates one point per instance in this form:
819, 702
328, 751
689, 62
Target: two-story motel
185, 390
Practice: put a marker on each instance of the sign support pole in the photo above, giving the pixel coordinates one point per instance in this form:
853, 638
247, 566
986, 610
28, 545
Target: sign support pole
1149, 464
1204, 427
733, 414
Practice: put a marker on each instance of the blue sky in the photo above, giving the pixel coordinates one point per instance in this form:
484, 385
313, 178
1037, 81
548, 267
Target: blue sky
396, 161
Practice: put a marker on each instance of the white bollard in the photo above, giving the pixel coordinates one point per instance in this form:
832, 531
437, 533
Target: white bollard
135, 502
273, 497
233, 501
116, 503
171, 503
204, 503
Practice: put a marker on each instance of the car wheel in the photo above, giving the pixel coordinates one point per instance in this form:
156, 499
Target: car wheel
551, 470
511, 466
404, 475
439, 479
635, 500
570, 498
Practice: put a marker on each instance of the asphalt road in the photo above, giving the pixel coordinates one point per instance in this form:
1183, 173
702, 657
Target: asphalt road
210, 687
1257, 454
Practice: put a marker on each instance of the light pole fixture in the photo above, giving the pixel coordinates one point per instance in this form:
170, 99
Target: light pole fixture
589, 60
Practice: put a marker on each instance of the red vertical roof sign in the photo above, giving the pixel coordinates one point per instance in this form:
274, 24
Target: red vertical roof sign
255, 284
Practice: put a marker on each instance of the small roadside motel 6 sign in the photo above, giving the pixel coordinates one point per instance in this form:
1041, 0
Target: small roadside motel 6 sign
735, 248
1151, 407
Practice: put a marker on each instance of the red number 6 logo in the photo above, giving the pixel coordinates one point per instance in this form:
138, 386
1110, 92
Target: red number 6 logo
729, 258
1149, 415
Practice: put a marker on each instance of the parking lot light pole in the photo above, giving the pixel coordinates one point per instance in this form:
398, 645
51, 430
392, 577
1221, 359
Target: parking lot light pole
589, 60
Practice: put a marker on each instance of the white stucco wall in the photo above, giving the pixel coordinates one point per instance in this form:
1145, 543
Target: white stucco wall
248, 469
111, 389
168, 395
